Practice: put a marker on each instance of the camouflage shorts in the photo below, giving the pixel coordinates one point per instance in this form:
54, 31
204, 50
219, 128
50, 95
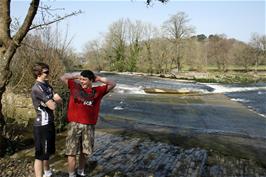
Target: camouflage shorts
80, 137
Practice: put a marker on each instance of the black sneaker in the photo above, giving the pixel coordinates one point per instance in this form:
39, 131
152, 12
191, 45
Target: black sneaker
80, 175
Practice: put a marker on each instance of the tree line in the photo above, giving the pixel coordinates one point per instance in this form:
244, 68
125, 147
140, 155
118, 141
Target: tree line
136, 46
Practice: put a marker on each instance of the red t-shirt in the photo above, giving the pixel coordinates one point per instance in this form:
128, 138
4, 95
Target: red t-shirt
84, 104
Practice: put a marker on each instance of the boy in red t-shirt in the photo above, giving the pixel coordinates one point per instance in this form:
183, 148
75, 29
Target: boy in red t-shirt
82, 115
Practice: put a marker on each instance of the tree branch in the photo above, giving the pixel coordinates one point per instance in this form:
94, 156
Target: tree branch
149, 1
27, 22
5, 21
55, 20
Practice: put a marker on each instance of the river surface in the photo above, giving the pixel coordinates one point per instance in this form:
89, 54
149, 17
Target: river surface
253, 96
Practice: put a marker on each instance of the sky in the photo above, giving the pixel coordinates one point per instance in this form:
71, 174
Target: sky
236, 19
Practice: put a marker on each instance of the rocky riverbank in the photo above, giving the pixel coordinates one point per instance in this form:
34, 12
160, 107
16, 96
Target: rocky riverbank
126, 156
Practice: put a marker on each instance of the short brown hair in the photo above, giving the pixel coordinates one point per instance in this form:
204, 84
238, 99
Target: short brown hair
38, 68
89, 74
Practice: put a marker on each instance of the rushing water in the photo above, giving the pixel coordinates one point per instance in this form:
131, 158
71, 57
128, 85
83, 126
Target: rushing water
133, 84
254, 100
253, 96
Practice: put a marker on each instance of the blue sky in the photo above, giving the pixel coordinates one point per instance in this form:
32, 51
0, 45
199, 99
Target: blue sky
236, 19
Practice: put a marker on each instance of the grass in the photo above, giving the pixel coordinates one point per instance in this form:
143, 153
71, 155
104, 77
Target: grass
232, 77
234, 74
210, 68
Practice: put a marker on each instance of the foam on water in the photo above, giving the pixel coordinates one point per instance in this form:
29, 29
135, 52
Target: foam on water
129, 89
118, 108
240, 100
261, 93
226, 89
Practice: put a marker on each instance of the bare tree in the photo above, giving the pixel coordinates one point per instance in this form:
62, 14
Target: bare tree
135, 35
258, 42
117, 40
219, 51
176, 29
242, 55
43, 45
195, 54
93, 55
150, 34
161, 53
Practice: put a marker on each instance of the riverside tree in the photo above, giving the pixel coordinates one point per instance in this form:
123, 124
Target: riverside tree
258, 43
117, 40
176, 30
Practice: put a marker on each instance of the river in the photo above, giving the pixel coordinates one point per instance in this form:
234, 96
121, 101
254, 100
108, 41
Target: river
253, 96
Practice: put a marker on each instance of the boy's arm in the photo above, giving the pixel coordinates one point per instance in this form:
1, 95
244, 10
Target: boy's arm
57, 98
67, 76
110, 83
44, 101
51, 104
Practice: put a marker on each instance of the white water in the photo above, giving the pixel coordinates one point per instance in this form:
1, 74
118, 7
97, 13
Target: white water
240, 100
129, 89
118, 108
224, 89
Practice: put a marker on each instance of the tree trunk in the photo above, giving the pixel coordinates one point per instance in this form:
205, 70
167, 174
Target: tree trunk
5, 75
2, 124
178, 64
2, 120
256, 64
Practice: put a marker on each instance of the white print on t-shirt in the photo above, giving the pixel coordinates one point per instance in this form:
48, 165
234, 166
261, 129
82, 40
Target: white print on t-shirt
44, 116
88, 103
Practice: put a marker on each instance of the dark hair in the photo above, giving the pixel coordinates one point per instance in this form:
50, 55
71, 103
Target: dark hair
89, 74
38, 68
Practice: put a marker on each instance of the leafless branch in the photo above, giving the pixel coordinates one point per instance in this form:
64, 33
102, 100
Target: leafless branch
30, 46
27, 22
150, 1
49, 8
59, 18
